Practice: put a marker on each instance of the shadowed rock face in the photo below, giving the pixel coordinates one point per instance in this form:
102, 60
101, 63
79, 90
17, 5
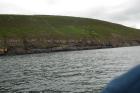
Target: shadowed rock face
127, 83
18, 46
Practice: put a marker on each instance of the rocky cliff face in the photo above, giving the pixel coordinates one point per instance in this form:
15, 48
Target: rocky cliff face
17, 46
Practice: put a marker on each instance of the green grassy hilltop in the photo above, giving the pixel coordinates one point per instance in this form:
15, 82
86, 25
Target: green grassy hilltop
44, 31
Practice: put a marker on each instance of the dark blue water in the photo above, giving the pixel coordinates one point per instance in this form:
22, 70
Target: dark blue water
86, 71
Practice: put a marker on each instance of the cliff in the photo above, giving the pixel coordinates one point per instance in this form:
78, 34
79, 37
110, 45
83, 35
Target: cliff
21, 34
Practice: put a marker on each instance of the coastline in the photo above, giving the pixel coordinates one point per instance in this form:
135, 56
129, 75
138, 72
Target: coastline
22, 51
20, 34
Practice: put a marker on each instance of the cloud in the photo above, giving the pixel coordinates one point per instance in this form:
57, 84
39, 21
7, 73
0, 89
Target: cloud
128, 15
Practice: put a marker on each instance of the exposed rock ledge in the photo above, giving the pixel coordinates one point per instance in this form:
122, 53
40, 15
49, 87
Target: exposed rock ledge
14, 47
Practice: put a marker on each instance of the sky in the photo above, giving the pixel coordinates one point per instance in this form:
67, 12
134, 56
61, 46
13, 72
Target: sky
126, 12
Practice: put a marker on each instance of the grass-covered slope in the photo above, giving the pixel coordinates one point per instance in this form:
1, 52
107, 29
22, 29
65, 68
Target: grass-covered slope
41, 31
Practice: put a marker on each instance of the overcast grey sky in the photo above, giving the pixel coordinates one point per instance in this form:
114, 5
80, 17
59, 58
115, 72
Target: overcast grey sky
126, 12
